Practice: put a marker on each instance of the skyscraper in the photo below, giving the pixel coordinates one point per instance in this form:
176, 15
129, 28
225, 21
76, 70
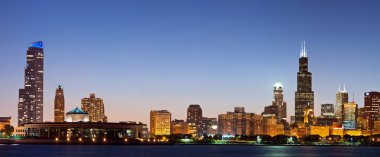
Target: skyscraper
59, 105
160, 122
341, 99
30, 105
350, 115
279, 101
95, 108
194, 118
194, 114
304, 95
371, 107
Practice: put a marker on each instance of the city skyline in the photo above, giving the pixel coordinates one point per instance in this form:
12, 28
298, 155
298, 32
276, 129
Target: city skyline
241, 75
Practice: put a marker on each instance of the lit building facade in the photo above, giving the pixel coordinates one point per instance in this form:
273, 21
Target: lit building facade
59, 105
322, 131
304, 96
350, 113
178, 127
308, 116
327, 110
194, 118
271, 126
341, 99
4, 121
209, 126
235, 123
160, 122
372, 107
30, 104
91, 132
279, 101
95, 108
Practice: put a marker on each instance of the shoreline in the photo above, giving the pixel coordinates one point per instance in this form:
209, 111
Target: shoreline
53, 142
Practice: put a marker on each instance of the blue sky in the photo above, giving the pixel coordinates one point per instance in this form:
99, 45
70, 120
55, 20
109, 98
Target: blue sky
143, 55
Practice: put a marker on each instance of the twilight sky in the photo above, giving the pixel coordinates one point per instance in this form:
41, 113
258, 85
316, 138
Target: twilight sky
143, 55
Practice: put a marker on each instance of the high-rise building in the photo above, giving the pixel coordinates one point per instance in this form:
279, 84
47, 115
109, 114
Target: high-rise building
95, 108
279, 101
304, 96
30, 104
236, 123
194, 119
160, 121
350, 114
327, 110
372, 107
59, 105
209, 126
194, 114
341, 98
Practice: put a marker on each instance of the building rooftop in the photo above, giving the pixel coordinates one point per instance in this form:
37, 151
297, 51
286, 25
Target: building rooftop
37, 44
76, 111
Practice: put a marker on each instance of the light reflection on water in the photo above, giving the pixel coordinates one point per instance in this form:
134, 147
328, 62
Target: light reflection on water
183, 150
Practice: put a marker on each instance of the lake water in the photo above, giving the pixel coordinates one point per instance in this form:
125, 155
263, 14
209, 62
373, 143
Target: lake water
182, 150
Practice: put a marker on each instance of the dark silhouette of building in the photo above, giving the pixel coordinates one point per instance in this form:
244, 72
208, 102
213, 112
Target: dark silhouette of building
30, 105
59, 105
304, 95
371, 105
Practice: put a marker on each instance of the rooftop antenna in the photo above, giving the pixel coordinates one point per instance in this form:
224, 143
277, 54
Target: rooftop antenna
339, 88
353, 97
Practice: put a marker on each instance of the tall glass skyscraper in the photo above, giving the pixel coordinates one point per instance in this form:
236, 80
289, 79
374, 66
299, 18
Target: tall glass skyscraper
341, 99
304, 95
30, 105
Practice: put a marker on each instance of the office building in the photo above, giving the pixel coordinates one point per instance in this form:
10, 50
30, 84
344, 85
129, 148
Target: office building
59, 105
95, 108
160, 121
372, 107
209, 126
235, 123
327, 110
30, 103
350, 114
178, 127
341, 99
304, 96
279, 101
194, 118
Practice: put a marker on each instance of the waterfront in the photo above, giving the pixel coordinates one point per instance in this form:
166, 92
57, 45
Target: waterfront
182, 150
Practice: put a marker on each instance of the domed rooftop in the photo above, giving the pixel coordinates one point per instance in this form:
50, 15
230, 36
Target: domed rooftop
76, 111
278, 85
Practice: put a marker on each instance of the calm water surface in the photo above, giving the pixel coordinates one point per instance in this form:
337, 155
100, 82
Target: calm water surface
182, 150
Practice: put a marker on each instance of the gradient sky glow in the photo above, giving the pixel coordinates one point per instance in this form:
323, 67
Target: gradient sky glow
143, 55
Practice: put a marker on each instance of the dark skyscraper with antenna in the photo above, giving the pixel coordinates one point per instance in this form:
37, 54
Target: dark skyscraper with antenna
304, 95
30, 105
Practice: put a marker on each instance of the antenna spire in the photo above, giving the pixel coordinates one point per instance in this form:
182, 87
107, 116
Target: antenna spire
339, 87
344, 87
303, 50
